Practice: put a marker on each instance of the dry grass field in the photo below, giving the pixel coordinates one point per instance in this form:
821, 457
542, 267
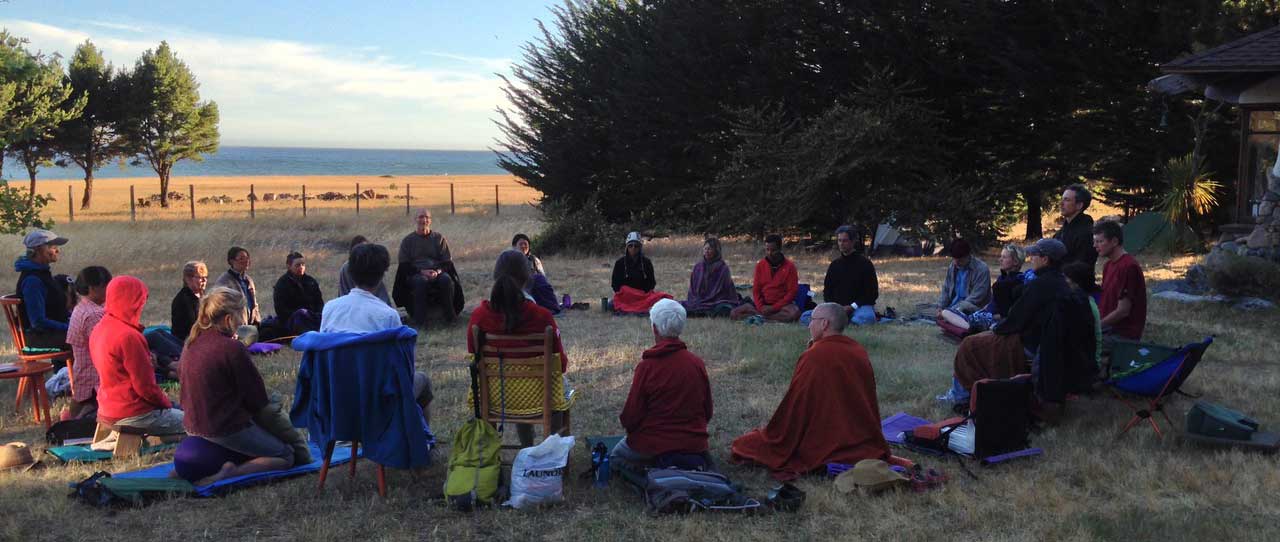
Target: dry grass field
111, 196
1089, 485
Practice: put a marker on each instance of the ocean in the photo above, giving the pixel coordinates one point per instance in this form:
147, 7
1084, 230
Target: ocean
246, 161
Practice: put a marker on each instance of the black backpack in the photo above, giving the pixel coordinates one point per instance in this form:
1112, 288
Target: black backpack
1001, 415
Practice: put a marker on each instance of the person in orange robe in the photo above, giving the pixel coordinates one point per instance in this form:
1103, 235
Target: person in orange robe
829, 414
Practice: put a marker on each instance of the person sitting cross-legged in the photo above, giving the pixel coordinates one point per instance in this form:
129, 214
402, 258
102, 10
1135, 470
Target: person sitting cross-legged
540, 288
237, 278
222, 391
851, 279
711, 289
669, 405
425, 276
967, 287
360, 311
186, 303
297, 297
829, 414
633, 281
774, 286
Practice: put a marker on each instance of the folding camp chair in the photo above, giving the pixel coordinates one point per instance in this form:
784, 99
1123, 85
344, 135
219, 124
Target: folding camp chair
1153, 373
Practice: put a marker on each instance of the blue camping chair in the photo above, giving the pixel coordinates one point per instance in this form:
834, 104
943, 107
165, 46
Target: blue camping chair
1154, 373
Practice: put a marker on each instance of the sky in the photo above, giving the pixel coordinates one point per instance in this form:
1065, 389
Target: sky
385, 74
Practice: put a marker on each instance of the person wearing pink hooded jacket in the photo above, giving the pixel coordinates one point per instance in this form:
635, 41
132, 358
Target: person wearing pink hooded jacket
127, 392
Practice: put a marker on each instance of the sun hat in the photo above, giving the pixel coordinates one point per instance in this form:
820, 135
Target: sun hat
1052, 248
42, 237
16, 455
634, 237
873, 475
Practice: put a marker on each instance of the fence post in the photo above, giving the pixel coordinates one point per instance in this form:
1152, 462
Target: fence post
304, 201
497, 209
357, 199
451, 206
191, 195
253, 211
133, 212
71, 208
406, 199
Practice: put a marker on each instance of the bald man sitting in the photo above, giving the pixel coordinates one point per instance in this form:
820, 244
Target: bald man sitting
829, 413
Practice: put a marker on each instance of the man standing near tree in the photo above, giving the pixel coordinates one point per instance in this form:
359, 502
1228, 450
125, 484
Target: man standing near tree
1077, 227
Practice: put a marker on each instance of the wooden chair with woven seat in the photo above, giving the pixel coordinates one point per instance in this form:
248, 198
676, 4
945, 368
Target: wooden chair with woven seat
12, 307
521, 384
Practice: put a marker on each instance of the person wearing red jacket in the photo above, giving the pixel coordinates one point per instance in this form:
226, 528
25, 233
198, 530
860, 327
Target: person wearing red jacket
669, 405
774, 286
127, 391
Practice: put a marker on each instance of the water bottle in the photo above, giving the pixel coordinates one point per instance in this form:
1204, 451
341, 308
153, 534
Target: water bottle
600, 458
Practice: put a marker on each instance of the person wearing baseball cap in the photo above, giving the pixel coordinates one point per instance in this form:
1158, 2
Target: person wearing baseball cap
44, 298
1003, 351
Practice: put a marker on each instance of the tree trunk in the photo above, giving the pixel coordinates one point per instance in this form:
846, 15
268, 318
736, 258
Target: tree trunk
88, 188
1034, 214
31, 196
164, 188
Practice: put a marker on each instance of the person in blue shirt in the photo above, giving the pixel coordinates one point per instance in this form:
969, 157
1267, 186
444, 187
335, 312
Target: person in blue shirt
967, 287
44, 311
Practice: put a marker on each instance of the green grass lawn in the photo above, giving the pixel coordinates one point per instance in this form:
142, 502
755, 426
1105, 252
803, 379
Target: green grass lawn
1089, 485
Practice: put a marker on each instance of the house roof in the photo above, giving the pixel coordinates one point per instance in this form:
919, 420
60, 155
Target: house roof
1257, 52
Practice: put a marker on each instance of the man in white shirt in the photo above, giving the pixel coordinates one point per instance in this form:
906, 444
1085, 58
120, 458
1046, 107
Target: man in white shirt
360, 311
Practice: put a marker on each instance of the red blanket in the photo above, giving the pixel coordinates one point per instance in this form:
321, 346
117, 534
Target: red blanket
632, 301
829, 414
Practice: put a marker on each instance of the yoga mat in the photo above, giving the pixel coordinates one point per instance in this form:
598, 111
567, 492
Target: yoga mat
341, 454
83, 454
894, 426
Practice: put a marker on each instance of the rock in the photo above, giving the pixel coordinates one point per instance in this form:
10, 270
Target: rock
1258, 239
1197, 279
1253, 304
1229, 246
1264, 210
1271, 195
1189, 298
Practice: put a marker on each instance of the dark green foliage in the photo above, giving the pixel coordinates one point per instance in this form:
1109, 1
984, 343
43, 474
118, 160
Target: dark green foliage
19, 211
705, 115
578, 231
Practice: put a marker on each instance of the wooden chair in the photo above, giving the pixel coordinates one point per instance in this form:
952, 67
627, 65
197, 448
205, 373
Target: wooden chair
521, 384
12, 305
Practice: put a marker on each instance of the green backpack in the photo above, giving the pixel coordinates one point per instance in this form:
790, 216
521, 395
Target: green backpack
475, 468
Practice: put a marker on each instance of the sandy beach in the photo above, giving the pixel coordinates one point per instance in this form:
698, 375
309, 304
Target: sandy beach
222, 197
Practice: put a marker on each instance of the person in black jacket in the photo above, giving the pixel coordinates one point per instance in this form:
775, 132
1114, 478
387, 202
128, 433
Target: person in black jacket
851, 279
634, 269
1003, 351
186, 304
297, 297
1077, 227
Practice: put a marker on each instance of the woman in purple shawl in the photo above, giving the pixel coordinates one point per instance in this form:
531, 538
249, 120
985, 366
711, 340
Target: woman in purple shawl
711, 291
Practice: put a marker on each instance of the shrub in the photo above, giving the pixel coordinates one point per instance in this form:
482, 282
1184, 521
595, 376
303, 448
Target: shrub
15, 213
1245, 276
583, 230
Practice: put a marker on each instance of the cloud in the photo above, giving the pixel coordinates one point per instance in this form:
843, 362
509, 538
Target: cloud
280, 91
115, 26
500, 64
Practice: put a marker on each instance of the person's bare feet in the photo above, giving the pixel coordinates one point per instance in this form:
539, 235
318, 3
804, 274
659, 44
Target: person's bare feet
225, 471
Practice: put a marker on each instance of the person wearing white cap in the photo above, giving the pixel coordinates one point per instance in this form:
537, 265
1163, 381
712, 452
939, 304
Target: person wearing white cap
633, 280
44, 300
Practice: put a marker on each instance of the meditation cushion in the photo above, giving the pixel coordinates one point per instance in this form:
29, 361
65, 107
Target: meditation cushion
198, 458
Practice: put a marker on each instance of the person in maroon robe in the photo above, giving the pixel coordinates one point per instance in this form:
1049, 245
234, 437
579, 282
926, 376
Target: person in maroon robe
829, 413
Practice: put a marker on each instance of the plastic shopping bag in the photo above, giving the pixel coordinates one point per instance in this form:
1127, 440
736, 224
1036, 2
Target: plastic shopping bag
537, 475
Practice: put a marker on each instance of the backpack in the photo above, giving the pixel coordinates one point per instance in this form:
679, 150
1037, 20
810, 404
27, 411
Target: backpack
1001, 412
103, 491
81, 428
681, 491
475, 467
